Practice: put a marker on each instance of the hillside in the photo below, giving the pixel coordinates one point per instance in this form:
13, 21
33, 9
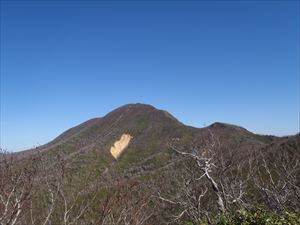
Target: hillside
86, 147
150, 169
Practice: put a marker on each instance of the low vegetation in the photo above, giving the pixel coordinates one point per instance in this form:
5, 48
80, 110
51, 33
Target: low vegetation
257, 216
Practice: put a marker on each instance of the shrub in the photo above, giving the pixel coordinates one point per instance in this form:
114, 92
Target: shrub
259, 216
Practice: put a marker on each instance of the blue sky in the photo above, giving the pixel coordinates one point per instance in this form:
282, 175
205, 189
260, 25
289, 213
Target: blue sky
63, 62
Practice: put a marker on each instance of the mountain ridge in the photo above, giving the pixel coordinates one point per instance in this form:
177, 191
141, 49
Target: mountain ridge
151, 130
138, 107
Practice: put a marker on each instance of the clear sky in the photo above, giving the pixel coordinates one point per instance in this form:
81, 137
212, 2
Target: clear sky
63, 62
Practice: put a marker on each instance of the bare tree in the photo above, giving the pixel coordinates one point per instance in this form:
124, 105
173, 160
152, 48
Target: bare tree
63, 195
29, 192
16, 185
126, 205
217, 171
278, 177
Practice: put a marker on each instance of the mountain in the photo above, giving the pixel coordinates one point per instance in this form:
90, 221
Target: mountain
138, 148
151, 129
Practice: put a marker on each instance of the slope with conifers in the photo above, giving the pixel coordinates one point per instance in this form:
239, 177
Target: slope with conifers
153, 182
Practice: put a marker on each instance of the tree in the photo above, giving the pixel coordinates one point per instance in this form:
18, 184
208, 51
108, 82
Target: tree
216, 171
278, 176
16, 187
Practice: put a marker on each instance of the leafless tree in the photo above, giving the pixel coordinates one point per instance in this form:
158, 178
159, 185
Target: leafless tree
278, 177
63, 195
16, 186
29, 192
217, 171
126, 205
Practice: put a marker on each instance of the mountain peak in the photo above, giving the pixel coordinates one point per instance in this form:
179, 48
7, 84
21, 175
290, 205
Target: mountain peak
137, 106
141, 112
130, 110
